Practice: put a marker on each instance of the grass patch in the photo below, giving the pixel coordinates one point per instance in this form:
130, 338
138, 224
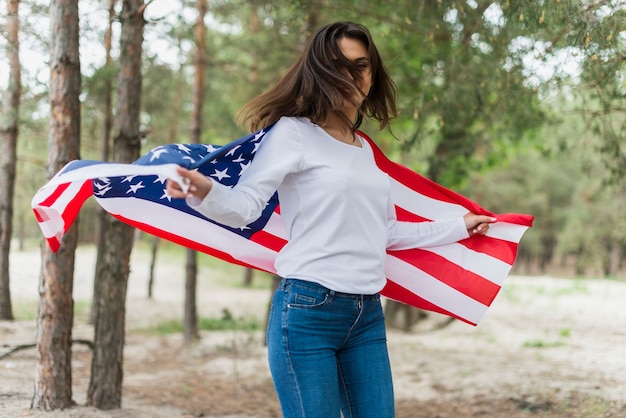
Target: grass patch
26, 310
227, 322
543, 344
573, 287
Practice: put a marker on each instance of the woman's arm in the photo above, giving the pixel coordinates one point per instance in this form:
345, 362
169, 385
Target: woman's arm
407, 235
279, 154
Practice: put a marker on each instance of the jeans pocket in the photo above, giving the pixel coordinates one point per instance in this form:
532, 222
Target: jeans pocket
304, 297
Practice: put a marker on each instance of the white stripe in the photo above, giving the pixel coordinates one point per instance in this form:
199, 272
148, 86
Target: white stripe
507, 231
484, 265
67, 196
276, 226
53, 224
192, 228
422, 205
63, 199
433, 290
430, 208
111, 170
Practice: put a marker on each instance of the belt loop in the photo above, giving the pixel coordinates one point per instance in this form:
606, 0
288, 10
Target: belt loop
282, 284
331, 295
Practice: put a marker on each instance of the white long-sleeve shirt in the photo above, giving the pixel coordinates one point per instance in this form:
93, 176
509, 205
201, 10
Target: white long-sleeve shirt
335, 204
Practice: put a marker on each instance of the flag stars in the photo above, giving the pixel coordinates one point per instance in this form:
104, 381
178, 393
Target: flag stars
166, 195
106, 184
156, 153
232, 151
221, 174
259, 135
160, 179
135, 187
102, 190
183, 148
244, 167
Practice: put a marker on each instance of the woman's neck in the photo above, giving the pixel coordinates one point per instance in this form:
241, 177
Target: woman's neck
339, 130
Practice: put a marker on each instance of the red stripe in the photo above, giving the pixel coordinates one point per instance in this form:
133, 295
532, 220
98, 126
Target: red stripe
453, 275
393, 290
420, 184
268, 240
503, 250
38, 216
52, 197
516, 218
404, 215
54, 244
73, 208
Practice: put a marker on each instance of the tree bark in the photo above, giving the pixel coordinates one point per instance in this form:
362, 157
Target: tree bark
53, 379
8, 154
190, 321
113, 265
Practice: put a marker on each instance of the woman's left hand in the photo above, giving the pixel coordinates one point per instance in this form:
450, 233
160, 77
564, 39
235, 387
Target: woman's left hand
477, 224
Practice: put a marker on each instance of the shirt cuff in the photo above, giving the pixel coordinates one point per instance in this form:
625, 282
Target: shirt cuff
215, 195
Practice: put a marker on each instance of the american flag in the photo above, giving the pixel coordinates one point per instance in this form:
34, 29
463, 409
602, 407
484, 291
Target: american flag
460, 280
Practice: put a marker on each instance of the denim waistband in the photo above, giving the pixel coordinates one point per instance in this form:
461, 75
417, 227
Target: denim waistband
313, 285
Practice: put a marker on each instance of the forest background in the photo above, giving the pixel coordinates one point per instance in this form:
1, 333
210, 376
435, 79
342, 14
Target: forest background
518, 105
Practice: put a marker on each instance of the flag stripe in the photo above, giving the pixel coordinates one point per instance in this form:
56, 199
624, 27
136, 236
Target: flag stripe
268, 240
191, 228
423, 187
433, 290
398, 293
478, 263
501, 249
466, 281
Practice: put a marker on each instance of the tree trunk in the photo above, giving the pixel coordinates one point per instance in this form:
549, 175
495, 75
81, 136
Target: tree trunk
53, 379
190, 321
253, 80
9, 130
401, 316
172, 135
247, 277
153, 256
105, 385
104, 147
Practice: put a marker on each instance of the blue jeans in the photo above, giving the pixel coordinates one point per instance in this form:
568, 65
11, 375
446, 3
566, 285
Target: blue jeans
328, 353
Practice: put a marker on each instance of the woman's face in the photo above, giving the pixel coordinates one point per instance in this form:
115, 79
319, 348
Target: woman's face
356, 52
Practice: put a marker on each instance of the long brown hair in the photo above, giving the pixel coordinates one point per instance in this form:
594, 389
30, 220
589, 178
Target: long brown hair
312, 87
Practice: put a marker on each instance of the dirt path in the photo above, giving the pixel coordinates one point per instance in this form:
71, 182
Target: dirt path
547, 347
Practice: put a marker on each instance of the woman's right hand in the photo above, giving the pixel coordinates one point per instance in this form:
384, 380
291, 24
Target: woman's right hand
198, 185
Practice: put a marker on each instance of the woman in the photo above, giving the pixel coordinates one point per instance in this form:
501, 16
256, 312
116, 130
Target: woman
327, 345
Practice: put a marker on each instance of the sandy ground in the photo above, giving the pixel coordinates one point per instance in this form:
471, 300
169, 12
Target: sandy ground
547, 347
